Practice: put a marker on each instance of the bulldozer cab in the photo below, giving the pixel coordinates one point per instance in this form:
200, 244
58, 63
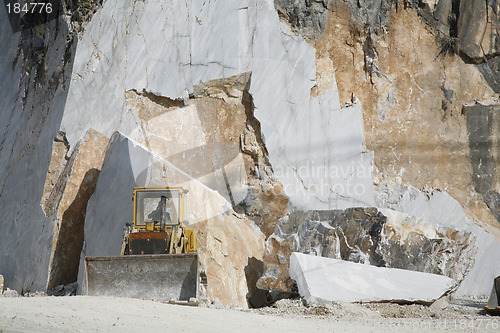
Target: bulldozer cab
159, 225
157, 208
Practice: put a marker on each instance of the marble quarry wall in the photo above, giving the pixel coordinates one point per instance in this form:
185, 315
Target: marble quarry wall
365, 133
384, 238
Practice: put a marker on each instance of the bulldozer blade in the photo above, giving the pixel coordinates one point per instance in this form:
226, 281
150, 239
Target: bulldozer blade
160, 277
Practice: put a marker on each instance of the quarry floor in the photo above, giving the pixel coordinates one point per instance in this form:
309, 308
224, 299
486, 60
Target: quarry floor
105, 314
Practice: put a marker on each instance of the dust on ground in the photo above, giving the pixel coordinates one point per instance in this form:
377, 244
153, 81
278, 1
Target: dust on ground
40, 313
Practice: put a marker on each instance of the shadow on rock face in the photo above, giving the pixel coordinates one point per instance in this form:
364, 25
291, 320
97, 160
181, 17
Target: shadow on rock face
257, 298
482, 125
36, 70
66, 258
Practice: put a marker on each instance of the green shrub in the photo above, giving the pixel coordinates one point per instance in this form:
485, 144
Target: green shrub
448, 45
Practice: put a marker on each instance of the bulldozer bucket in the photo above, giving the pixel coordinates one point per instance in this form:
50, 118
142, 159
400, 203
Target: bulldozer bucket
160, 277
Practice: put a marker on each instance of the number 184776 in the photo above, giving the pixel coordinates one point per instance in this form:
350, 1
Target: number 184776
29, 7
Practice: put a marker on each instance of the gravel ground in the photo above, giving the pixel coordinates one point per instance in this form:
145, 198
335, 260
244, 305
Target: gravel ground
90, 314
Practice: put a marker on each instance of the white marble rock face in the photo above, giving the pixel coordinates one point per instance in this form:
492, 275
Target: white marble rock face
316, 148
322, 280
168, 47
29, 120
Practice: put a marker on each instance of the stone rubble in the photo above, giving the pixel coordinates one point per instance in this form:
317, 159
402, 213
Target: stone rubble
10, 293
62, 290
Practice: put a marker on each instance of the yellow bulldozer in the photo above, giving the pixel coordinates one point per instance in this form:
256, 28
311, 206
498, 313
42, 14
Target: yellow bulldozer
158, 255
159, 223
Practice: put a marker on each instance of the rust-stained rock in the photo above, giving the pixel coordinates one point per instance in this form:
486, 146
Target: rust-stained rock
149, 105
412, 100
276, 262
230, 250
365, 235
57, 165
215, 139
78, 182
266, 202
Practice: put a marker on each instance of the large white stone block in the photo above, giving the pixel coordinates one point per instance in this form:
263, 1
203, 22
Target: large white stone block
322, 280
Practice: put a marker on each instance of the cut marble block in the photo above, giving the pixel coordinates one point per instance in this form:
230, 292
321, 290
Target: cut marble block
322, 280
493, 307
